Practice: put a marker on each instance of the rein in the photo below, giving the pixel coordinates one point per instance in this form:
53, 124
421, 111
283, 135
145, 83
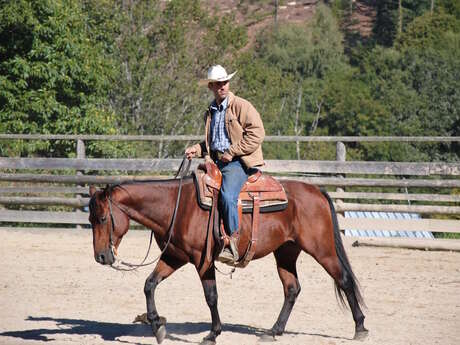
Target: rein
121, 265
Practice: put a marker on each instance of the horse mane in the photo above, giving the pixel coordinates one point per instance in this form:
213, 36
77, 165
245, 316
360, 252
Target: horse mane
111, 187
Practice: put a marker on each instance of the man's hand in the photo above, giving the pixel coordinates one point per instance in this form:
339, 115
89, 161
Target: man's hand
190, 152
226, 157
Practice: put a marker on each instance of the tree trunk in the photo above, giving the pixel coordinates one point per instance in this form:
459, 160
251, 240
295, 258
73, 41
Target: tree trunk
276, 14
297, 128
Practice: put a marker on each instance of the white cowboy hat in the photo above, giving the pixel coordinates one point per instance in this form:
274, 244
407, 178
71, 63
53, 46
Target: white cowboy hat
216, 73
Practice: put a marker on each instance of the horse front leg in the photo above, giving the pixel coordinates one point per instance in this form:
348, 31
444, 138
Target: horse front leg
164, 268
208, 280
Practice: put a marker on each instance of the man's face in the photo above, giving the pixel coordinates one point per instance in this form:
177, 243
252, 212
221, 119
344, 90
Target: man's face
220, 89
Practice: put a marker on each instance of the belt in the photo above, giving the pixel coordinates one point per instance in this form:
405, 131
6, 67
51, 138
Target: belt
216, 155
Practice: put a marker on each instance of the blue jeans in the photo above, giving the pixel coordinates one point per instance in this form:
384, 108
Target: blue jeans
234, 175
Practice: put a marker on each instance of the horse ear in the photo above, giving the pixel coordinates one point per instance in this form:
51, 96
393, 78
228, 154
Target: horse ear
92, 190
105, 192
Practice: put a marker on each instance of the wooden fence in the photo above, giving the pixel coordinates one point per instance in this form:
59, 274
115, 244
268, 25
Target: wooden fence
348, 182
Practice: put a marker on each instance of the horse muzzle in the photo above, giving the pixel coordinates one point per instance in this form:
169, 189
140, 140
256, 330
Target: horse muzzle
105, 257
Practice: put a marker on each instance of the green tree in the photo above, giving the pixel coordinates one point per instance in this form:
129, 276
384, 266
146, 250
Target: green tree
417, 82
53, 77
394, 15
284, 77
449, 6
161, 54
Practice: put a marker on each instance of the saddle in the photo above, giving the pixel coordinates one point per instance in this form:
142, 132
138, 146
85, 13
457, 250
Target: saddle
260, 194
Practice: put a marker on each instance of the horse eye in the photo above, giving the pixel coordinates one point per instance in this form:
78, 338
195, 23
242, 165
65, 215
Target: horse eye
103, 219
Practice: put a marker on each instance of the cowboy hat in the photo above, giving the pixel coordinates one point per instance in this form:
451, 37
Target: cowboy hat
216, 73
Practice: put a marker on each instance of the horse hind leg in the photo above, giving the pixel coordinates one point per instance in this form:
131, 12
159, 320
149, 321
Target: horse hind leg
349, 286
346, 281
286, 257
334, 261
323, 242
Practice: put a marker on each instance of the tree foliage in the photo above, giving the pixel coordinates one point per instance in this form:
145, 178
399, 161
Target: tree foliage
81, 66
161, 54
53, 77
417, 81
298, 60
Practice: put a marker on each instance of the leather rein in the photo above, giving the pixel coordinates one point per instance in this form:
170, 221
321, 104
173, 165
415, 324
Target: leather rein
121, 265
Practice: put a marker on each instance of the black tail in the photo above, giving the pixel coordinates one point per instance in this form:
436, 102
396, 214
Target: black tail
343, 259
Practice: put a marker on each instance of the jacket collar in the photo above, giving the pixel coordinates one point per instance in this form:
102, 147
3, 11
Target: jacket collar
230, 100
222, 106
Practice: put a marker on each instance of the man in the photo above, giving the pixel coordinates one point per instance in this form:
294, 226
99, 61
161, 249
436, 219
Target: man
234, 134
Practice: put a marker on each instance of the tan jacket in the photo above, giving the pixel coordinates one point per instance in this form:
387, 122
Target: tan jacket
245, 130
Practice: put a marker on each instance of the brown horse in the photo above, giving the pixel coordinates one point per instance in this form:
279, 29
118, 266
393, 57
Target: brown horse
309, 223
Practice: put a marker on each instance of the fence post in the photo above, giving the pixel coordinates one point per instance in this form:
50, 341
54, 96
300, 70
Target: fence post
340, 156
81, 154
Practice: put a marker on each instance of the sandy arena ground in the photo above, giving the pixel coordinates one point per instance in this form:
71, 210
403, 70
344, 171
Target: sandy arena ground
52, 291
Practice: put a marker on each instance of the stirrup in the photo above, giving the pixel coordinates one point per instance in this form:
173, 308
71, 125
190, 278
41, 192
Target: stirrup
226, 256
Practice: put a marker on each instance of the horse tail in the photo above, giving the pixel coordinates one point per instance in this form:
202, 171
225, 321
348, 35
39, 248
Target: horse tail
343, 259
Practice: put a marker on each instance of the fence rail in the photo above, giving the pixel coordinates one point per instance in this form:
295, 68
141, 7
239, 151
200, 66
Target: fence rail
320, 181
67, 185
273, 166
268, 138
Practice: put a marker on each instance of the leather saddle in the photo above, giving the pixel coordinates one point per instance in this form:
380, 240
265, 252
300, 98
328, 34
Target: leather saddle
271, 193
260, 194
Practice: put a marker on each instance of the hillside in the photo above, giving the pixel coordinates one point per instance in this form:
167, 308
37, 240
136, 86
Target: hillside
256, 15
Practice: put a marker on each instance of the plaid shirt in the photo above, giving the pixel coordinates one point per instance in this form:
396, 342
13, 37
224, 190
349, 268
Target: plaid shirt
220, 140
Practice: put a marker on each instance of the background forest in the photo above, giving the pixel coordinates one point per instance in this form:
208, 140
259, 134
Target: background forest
132, 66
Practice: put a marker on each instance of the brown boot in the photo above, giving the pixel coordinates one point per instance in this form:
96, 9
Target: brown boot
229, 255
234, 239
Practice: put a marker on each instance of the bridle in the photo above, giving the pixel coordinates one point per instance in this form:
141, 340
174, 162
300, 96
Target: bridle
121, 265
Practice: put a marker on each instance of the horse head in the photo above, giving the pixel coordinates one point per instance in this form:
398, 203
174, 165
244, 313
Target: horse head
109, 224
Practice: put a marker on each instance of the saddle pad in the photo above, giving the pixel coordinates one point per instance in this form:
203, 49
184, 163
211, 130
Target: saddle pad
270, 201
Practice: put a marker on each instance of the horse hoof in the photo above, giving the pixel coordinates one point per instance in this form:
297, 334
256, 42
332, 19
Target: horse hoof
210, 339
142, 318
361, 335
267, 338
160, 334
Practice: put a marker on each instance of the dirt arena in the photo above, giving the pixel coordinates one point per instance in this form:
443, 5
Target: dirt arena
52, 291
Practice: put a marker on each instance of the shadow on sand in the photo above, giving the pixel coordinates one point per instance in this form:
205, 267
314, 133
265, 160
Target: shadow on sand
109, 331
